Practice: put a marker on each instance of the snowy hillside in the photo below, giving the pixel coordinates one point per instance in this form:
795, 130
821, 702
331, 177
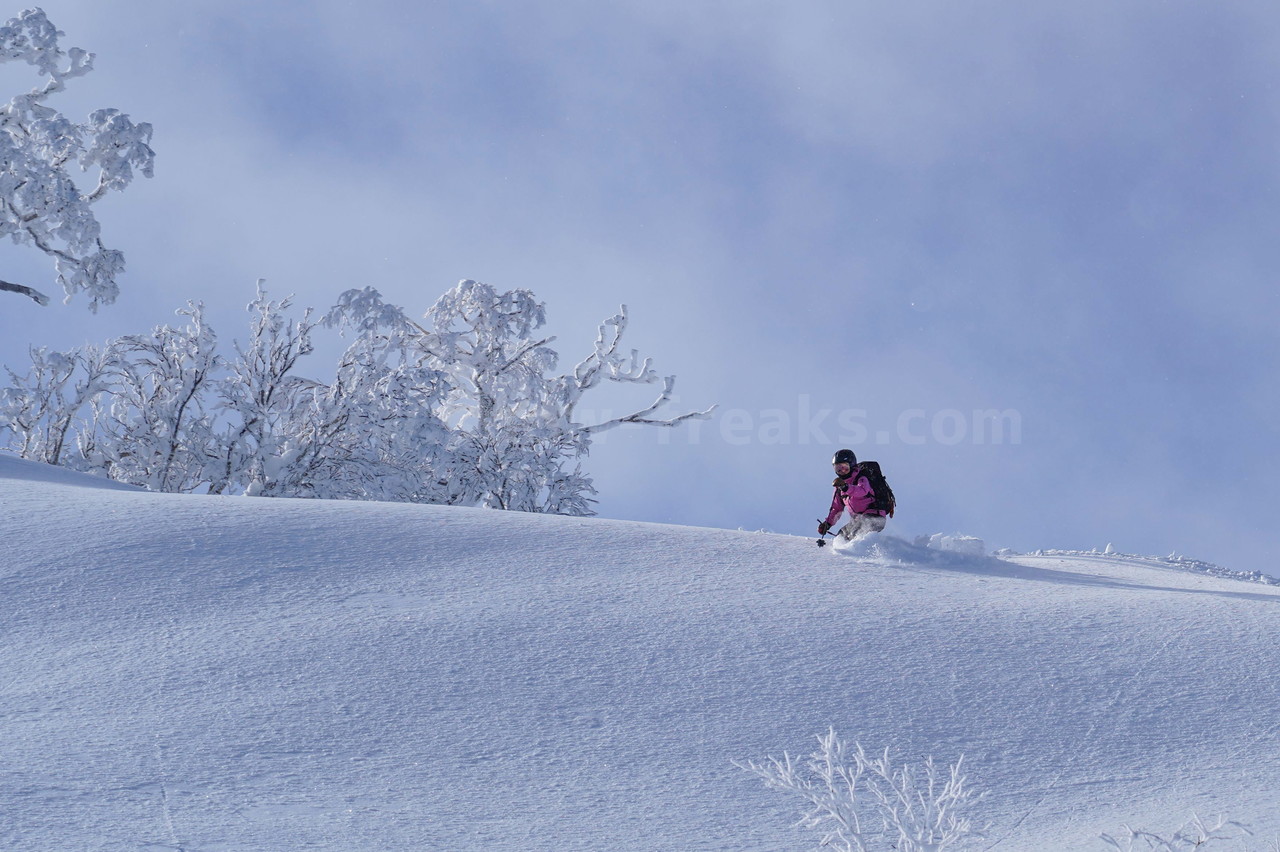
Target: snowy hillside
197, 673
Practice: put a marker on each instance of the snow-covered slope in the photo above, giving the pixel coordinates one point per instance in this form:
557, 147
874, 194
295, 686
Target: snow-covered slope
15, 468
236, 674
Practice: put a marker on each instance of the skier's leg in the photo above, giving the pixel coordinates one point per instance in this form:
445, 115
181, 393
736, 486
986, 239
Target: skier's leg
852, 530
862, 526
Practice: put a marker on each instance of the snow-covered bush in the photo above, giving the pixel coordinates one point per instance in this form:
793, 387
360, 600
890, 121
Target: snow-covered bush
861, 803
1194, 834
40, 204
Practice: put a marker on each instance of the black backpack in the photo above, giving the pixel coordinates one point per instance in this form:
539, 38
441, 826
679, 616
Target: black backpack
884, 499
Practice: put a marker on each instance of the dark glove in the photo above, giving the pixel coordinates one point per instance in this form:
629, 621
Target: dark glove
841, 483
824, 528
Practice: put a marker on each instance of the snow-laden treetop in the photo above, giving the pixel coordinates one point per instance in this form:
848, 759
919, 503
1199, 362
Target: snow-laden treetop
40, 203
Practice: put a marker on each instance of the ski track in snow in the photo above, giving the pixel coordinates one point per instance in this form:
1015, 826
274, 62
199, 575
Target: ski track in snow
161, 763
231, 674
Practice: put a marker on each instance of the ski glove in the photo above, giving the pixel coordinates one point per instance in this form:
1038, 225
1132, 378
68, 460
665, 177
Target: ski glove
824, 528
841, 483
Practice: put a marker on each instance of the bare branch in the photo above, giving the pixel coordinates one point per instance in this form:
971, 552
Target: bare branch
40, 298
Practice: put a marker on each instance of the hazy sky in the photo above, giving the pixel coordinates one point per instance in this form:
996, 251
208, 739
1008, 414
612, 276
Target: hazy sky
903, 215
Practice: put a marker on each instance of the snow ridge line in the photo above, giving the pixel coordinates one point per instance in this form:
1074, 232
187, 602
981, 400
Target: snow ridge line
1173, 560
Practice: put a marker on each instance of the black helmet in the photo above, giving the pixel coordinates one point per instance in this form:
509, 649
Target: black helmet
844, 457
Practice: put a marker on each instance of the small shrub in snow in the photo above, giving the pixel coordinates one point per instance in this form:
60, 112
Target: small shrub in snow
1195, 834
861, 804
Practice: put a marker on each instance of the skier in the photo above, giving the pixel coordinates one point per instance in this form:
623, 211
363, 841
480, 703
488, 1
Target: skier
854, 493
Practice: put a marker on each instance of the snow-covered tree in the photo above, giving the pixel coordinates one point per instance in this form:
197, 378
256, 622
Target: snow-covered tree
155, 428
392, 444
266, 455
40, 203
42, 408
503, 440
468, 412
861, 803
516, 441
370, 433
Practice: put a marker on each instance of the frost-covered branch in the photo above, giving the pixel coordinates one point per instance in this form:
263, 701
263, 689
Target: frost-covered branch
606, 363
642, 417
519, 356
606, 360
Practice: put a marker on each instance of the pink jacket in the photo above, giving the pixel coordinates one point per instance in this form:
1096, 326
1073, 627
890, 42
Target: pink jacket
856, 496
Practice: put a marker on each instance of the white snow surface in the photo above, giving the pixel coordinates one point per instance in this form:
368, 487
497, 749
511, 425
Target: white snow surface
202, 673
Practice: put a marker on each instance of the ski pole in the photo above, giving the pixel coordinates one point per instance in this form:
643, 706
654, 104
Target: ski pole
822, 542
